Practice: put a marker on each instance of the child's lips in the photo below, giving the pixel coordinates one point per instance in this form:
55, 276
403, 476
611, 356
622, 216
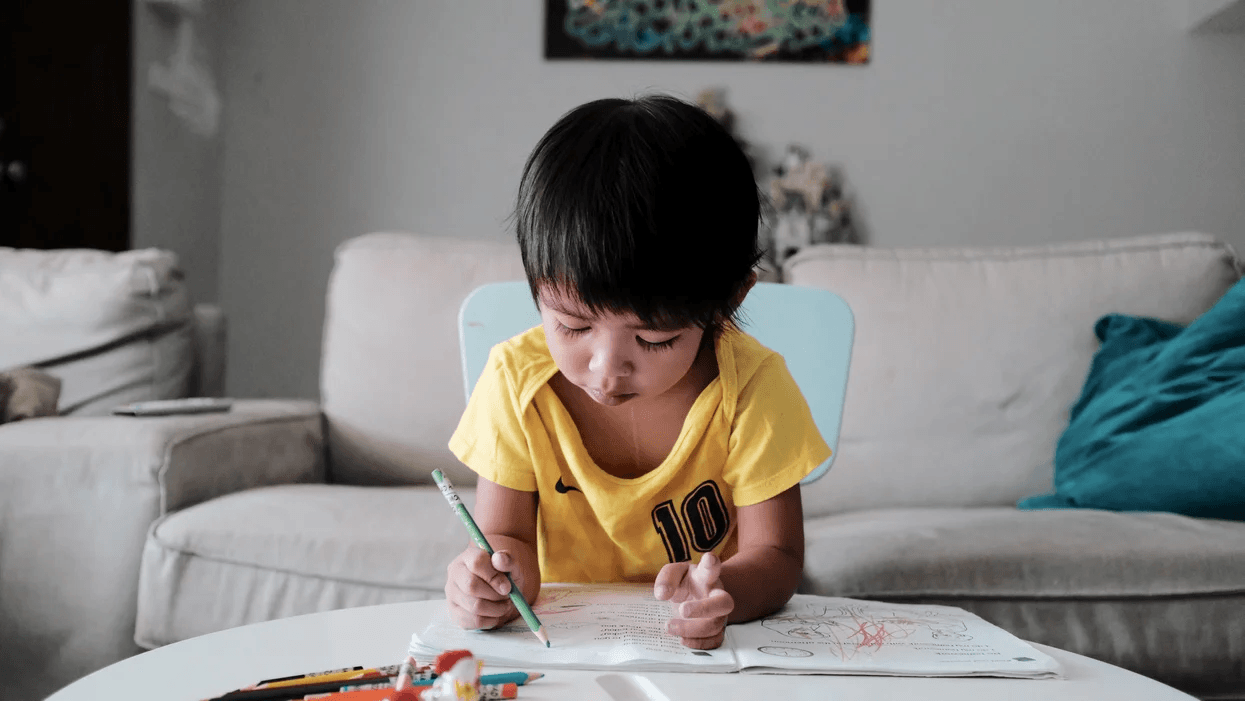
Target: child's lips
609, 399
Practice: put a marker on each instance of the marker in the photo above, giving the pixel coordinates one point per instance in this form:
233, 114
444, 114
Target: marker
516, 596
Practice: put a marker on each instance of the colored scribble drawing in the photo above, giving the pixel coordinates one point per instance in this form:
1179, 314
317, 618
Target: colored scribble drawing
562, 608
553, 601
851, 630
778, 651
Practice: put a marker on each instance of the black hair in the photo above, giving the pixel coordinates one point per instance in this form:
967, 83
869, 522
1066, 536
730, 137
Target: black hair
646, 206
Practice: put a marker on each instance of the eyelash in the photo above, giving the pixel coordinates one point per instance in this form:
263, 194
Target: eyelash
646, 345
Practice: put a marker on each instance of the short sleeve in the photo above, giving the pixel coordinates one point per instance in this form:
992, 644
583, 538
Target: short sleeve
774, 442
490, 438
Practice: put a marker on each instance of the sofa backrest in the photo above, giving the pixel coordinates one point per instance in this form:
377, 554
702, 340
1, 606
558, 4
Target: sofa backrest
966, 360
391, 381
113, 327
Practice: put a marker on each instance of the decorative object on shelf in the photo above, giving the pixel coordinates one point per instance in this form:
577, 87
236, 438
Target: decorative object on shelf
186, 80
713, 101
809, 31
810, 206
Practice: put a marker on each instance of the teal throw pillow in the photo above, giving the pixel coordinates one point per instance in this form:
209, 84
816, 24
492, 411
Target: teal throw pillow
1160, 424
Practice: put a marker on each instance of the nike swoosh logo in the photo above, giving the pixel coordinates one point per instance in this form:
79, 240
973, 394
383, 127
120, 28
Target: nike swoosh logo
563, 489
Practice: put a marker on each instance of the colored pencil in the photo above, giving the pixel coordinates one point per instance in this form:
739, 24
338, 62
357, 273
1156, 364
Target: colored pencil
517, 678
285, 693
516, 596
330, 677
356, 668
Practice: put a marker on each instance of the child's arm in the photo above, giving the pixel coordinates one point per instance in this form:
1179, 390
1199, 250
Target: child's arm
766, 571
476, 589
755, 582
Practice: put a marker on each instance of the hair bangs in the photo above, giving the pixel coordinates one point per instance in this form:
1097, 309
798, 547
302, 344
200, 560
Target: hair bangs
637, 207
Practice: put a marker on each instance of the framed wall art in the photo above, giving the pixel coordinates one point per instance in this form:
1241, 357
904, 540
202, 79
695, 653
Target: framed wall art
807, 31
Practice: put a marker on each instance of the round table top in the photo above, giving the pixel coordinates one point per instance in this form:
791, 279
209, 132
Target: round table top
213, 664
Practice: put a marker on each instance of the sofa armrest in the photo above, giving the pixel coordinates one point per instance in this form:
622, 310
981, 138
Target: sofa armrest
77, 496
256, 444
188, 458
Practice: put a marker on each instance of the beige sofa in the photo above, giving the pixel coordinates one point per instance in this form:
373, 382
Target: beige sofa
965, 364
78, 491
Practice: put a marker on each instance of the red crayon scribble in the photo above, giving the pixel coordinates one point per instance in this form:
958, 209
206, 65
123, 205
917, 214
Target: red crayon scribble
874, 639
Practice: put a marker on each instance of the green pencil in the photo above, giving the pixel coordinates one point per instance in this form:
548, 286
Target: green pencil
515, 595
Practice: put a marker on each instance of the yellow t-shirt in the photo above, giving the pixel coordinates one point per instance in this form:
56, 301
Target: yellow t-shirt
748, 437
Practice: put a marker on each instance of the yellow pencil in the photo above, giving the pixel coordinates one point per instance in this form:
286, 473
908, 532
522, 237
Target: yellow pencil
316, 679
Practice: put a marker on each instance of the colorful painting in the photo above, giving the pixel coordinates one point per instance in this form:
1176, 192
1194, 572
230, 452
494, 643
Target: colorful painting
818, 31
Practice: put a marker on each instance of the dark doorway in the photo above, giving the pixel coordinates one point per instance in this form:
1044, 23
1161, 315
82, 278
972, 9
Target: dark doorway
65, 88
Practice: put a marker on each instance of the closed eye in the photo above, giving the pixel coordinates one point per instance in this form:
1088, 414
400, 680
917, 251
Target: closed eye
657, 345
572, 332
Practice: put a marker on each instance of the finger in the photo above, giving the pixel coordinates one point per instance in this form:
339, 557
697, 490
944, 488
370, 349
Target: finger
468, 586
470, 617
710, 643
719, 603
696, 627
502, 561
669, 580
482, 567
477, 598
705, 575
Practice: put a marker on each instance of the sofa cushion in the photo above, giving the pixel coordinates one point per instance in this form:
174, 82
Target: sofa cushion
1133, 589
966, 360
113, 327
391, 380
281, 551
1160, 425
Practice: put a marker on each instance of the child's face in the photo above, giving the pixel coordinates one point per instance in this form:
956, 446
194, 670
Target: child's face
614, 358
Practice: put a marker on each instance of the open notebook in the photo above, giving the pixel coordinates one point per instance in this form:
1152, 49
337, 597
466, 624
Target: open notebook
622, 627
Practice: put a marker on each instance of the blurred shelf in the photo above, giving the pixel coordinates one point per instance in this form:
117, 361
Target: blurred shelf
175, 9
1216, 15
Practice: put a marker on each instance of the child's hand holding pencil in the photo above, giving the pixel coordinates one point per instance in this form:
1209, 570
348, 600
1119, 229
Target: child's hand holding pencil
477, 583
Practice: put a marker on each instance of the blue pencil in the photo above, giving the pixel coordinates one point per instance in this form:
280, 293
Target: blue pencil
516, 596
519, 678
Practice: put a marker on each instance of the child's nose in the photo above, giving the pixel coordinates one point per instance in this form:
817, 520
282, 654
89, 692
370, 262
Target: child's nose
608, 360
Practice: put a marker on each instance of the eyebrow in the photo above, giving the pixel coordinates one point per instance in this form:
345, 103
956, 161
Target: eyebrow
576, 315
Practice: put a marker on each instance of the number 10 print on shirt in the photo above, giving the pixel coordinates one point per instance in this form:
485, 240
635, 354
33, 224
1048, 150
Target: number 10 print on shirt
700, 523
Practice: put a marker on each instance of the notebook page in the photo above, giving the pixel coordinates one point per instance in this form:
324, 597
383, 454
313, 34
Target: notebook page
589, 626
829, 635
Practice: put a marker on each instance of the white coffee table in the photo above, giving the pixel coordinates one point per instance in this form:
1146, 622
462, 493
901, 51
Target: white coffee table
378, 635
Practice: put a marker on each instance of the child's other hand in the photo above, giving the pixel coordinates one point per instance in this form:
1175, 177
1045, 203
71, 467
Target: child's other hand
477, 591
702, 603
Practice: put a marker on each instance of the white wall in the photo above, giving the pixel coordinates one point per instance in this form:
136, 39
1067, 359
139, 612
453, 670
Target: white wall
176, 174
983, 122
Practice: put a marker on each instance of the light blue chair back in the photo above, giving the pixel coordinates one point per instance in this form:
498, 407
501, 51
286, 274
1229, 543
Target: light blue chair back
812, 329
